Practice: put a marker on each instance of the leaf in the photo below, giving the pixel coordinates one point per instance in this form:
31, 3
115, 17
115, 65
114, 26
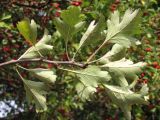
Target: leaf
41, 46
119, 30
84, 92
5, 17
71, 16
116, 53
5, 25
124, 98
93, 32
36, 91
70, 22
65, 30
90, 78
45, 75
28, 30
123, 70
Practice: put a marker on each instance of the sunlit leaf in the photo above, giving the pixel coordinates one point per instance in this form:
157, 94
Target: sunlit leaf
28, 30
44, 75
125, 98
41, 46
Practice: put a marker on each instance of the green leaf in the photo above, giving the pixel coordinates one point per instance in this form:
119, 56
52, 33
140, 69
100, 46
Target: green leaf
116, 53
124, 70
70, 22
5, 25
45, 75
94, 32
28, 30
119, 30
36, 91
71, 16
41, 46
91, 77
125, 98
66, 30
84, 92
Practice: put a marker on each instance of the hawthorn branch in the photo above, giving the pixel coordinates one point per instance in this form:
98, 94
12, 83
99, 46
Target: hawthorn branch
33, 6
56, 63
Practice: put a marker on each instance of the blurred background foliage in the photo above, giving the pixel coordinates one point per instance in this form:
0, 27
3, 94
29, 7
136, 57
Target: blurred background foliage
63, 102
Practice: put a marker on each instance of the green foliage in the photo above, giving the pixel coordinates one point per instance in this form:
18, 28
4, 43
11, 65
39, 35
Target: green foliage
36, 91
125, 98
90, 78
117, 75
94, 32
44, 75
28, 30
70, 22
120, 30
39, 48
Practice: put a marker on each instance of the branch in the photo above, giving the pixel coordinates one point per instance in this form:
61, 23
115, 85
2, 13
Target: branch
33, 6
56, 63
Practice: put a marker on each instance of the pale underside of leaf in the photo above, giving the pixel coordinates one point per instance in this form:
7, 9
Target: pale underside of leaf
118, 30
41, 46
36, 92
125, 98
45, 75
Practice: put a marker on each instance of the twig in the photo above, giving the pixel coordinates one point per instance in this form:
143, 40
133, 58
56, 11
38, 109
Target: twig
95, 52
33, 6
56, 63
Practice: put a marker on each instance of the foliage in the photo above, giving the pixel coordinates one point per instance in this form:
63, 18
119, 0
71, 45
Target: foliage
100, 74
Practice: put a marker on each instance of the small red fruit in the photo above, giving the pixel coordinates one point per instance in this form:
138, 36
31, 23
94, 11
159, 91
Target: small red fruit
56, 5
6, 49
142, 75
76, 3
148, 49
145, 81
117, 1
155, 64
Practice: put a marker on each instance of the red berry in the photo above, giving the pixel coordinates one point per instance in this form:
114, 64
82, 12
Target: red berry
142, 75
157, 67
155, 64
6, 49
76, 3
148, 49
117, 1
50, 65
56, 5
57, 14
145, 81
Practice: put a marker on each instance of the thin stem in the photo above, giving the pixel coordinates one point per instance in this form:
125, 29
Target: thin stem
38, 51
56, 63
19, 74
95, 52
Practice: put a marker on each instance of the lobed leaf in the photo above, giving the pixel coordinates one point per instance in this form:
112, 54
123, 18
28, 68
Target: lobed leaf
116, 53
28, 30
119, 31
71, 16
70, 22
125, 98
36, 91
41, 46
94, 32
90, 78
123, 70
44, 75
